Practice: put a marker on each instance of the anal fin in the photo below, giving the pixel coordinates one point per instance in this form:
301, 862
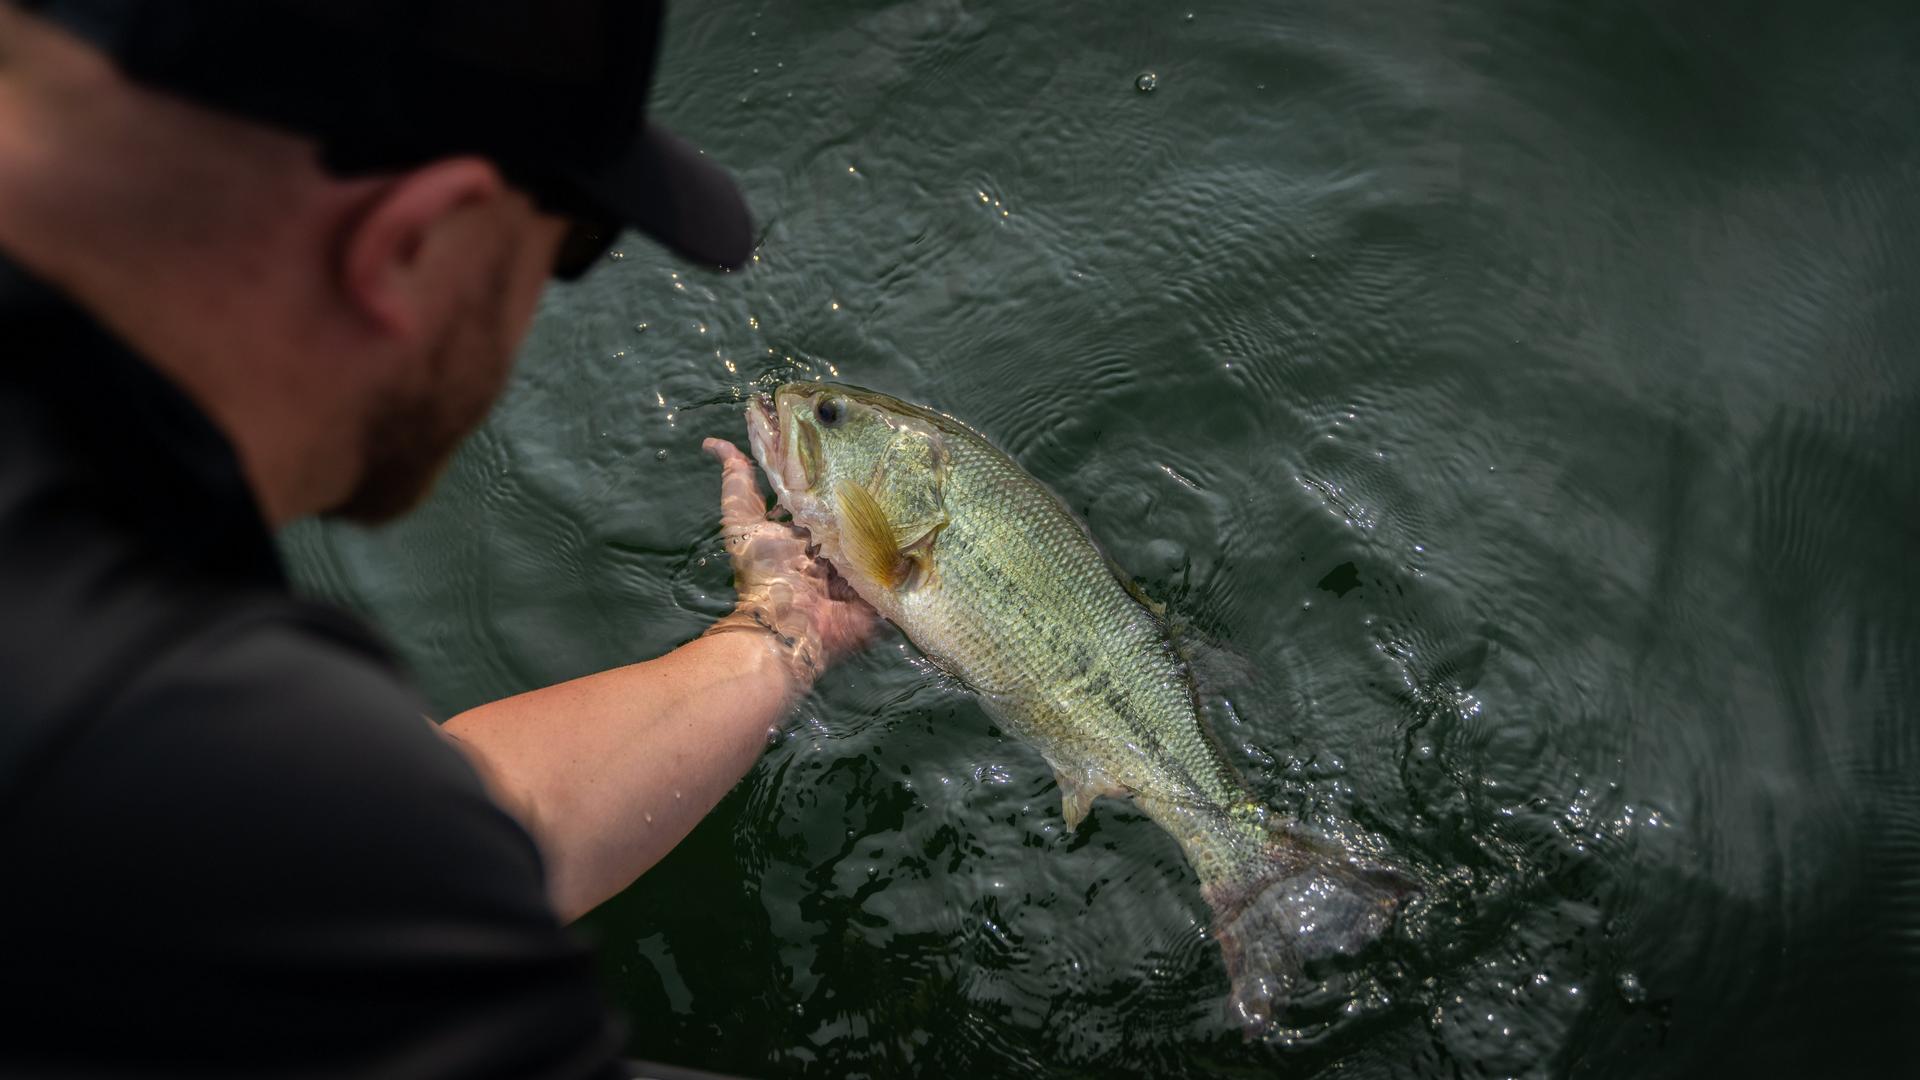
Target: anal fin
1077, 792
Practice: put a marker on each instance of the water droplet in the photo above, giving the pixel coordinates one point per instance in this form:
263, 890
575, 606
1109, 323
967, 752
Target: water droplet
1189, 16
619, 354
639, 328
616, 256
1630, 989
660, 455
649, 819
753, 322
833, 305
1146, 82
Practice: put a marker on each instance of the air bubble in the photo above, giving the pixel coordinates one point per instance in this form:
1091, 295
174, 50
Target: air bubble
1146, 82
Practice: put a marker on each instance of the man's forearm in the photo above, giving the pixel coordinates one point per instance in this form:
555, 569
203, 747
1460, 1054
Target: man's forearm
610, 771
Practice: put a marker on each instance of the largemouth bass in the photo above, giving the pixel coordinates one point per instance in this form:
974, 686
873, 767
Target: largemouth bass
998, 584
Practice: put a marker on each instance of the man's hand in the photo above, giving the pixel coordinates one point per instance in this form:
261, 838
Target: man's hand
609, 771
784, 589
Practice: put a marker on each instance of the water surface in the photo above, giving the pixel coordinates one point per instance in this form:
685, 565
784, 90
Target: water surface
1526, 391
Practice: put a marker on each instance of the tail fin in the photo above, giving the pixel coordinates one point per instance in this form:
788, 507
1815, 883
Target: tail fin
1303, 902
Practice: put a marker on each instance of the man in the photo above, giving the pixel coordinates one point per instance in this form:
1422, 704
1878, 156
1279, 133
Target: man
263, 259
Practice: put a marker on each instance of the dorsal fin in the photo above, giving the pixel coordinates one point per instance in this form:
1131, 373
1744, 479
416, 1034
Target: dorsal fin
1158, 609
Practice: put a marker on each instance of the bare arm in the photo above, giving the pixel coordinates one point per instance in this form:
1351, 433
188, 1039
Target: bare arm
610, 771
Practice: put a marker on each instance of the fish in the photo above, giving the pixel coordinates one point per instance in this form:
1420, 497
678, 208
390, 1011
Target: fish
1002, 588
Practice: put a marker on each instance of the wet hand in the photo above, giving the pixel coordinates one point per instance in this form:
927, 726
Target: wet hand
786, 592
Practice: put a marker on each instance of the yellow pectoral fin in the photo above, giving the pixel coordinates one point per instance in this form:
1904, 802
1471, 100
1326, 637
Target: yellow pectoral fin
868, 538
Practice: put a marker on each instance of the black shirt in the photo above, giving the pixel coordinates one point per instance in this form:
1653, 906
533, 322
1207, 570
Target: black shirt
229, 840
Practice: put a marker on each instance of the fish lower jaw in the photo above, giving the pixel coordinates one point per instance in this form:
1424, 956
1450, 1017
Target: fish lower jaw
768, 447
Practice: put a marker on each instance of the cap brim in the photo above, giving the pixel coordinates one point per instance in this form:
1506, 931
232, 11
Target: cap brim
670, 191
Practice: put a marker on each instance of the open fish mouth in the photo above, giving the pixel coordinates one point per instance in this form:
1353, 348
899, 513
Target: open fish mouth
766, 441
763, 426
767, 437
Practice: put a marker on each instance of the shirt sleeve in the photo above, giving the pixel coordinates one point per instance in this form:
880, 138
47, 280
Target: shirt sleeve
265, 860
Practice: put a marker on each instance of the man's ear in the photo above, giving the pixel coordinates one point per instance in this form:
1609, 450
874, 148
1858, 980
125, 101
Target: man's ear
413, 232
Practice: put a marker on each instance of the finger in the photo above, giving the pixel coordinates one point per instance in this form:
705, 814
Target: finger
741, 503
721, 450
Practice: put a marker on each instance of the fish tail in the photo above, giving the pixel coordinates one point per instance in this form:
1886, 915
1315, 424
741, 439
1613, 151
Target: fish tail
1294, 900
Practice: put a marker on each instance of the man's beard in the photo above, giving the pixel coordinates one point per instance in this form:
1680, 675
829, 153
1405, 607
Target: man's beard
410, 436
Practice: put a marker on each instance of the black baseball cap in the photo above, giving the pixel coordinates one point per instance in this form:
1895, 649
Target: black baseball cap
554, 92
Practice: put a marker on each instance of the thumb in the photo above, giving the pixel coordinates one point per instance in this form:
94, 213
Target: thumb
741, 503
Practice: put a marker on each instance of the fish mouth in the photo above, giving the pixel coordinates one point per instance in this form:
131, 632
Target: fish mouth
769, 437
763, 431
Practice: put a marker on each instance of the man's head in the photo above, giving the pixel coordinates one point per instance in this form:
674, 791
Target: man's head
343, 296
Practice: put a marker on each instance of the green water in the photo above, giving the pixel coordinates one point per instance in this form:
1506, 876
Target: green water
1527, 391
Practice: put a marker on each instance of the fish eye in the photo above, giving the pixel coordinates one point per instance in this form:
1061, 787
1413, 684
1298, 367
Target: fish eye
828, 412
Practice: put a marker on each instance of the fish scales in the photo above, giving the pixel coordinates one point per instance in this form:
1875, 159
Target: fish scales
996, 581
1085, 664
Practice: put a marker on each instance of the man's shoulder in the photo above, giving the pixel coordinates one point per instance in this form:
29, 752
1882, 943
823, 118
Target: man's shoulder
293, 718
284, 725
269, 675
263, 827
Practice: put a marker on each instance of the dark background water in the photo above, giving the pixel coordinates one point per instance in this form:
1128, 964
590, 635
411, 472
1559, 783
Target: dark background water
1525, 390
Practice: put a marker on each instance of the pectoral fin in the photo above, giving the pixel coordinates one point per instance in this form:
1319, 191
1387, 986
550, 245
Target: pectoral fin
873, 545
